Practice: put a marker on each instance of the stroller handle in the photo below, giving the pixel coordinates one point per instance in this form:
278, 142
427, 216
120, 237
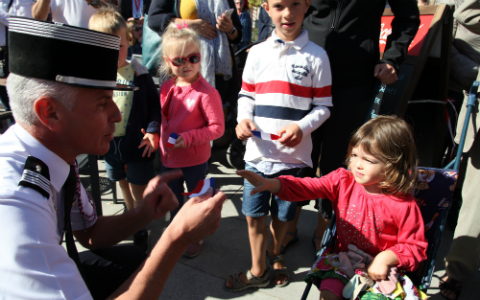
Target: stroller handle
472, 98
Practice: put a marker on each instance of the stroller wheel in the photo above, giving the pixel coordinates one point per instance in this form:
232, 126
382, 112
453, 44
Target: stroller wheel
235, 154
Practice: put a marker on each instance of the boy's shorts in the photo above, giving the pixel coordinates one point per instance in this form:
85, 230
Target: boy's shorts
138, 173
259, 204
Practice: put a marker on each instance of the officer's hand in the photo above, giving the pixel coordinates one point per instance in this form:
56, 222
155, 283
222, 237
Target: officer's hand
198, 218
158, 198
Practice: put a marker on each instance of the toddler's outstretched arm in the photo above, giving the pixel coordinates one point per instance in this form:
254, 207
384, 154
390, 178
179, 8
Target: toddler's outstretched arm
261, 184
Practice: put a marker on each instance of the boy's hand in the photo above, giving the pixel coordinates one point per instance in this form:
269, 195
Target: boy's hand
261, 184
380, 265
180, 143
150, 141
244, 129
386, 73
291, 135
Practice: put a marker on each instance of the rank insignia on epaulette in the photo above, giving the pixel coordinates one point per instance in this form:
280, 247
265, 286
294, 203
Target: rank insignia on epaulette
36, 176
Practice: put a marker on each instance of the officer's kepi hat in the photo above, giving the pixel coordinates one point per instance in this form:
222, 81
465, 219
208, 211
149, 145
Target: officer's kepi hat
63, 53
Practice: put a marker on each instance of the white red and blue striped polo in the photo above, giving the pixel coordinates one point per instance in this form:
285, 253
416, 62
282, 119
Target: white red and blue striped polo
285, 83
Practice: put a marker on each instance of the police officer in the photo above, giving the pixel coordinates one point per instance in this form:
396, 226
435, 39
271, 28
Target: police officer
61, 99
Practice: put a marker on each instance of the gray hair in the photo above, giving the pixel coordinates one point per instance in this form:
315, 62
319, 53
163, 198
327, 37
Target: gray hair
23, 91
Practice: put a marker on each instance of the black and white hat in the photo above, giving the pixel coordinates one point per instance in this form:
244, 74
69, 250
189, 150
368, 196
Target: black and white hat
62, 53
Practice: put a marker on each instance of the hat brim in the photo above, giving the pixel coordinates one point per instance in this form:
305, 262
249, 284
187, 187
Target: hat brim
119, 87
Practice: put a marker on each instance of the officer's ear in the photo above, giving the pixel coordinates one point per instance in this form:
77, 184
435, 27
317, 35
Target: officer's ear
47, 111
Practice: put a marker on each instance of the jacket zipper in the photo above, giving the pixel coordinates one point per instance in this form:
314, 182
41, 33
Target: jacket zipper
332, 27
165, 144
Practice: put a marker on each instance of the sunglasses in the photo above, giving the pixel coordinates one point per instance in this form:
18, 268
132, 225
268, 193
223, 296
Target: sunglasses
180, 61
139, 28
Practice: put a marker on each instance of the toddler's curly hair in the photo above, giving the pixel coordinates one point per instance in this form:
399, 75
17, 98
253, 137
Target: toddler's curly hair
391, 140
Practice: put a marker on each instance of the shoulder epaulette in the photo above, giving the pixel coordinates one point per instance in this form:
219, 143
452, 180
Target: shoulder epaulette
36, 176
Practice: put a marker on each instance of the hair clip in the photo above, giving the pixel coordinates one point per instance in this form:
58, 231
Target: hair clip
182, 26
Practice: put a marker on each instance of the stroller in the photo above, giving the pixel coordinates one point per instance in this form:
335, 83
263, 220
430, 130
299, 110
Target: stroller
433, 193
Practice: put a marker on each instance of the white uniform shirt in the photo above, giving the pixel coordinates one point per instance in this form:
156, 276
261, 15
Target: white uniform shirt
33, 263
72, 12
22, 8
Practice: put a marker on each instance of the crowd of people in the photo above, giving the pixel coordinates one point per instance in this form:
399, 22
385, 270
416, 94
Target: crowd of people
301, 97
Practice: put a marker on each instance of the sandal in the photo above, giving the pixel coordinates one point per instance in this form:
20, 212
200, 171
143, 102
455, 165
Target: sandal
276, 272
451, 285
292, 241
255, 282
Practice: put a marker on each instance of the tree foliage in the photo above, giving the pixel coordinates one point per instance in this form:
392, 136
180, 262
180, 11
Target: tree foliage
255, 2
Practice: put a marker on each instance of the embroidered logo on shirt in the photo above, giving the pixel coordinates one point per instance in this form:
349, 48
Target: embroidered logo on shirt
190, 102
299, 71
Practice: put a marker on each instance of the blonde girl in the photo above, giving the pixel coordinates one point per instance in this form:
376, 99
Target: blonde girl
191, 109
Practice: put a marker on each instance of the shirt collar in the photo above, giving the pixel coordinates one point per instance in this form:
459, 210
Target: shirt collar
57, 167
298, 43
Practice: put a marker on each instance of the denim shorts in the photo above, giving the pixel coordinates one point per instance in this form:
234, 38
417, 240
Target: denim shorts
138, 173
260, 205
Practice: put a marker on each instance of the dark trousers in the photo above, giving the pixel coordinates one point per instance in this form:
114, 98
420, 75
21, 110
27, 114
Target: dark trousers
349, 111
105, 270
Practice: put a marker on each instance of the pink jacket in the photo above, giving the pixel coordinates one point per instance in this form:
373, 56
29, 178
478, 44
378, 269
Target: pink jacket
195, 113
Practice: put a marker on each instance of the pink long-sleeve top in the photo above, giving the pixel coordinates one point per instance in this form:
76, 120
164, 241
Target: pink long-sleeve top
195, 113
374, 223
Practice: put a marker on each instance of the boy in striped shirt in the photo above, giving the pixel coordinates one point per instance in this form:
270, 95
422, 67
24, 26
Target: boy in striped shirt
286, 91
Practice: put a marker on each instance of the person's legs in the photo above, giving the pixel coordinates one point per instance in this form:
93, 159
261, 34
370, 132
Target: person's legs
331, 289
127, 194
278, 229
139, 173
105, 270
192, 175
256, 209
463, 259
322, 225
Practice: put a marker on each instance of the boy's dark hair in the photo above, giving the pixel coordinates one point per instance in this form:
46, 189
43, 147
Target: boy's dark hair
390, 139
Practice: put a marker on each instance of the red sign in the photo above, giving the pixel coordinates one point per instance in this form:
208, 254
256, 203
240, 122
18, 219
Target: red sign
416, 45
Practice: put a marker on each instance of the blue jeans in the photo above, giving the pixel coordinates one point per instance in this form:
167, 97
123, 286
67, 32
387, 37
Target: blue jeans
191, 176
259, 204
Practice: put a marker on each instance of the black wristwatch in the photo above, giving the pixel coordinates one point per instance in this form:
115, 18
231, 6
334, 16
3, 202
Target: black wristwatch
232, 31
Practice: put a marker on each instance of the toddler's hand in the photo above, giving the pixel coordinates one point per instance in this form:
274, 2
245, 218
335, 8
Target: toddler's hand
261, 184
291, 135
380, 265
150, 142
244, 129
180, 143
386, 73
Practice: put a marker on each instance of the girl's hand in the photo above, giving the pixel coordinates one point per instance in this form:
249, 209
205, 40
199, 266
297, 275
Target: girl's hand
180, 143
291, 135
150, 141
378, 269
224, 23
261, 184
201, 27
244, 129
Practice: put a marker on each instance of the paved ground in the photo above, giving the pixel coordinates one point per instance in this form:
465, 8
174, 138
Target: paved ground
227, 251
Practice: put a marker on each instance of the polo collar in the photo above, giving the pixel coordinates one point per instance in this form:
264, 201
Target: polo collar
58, 168
298, 43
